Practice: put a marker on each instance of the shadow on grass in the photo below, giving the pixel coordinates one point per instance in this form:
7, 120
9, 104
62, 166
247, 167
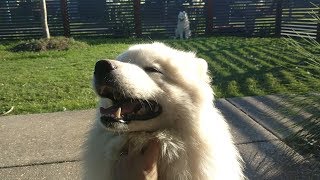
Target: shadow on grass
255, 66
98, 40
241, 66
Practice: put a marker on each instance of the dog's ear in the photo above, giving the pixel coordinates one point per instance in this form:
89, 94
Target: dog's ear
202, 67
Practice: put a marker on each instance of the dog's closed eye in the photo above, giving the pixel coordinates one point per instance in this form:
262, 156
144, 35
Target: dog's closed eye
152, 70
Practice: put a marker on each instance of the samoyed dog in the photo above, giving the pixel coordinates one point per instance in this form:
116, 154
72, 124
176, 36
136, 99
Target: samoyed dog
155, 92
183, 26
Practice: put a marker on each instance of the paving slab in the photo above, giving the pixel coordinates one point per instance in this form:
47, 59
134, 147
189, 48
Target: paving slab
275, 160
242, 127
42, 138
48, 146
265, 155
56, 171
274, 112
55, 137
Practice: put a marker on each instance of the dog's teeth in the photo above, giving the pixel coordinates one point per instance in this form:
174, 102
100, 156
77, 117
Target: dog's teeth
118, 113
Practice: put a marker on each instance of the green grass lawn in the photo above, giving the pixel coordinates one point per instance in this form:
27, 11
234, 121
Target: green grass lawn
50, 81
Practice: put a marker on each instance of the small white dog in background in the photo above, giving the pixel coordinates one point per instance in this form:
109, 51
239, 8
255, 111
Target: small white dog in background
183, 26
155, 92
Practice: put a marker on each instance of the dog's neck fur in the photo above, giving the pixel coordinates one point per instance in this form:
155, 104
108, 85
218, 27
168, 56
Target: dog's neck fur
192, 153
192, 150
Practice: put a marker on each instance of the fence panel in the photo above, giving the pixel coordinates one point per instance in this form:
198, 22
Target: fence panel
298, 18
101, 17
244, 17
55, 20
159, 17
154, 18
22, 19
19, 19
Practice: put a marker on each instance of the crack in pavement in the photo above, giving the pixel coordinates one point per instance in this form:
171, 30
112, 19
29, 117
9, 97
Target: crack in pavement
258, 141
40, 164
252, 118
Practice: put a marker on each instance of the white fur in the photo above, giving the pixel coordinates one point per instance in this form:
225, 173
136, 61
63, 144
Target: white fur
194, 138
183, 26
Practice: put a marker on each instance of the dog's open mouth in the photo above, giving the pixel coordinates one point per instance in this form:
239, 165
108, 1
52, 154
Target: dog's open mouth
124, 110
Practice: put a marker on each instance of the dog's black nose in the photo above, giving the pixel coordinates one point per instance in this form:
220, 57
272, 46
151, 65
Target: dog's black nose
102, 68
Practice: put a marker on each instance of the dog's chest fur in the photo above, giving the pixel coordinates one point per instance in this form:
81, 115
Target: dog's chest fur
172, 162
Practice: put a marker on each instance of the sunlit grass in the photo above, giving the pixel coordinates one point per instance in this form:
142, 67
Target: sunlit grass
50, 81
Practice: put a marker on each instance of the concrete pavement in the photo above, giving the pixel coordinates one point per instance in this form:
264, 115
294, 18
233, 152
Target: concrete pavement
48, 146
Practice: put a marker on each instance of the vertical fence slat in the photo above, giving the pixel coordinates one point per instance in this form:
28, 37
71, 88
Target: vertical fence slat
278, 18
209, 16
318, 27
137, 17
65, 18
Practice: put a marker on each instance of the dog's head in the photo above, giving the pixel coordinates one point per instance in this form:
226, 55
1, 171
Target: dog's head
150, 86
182, 16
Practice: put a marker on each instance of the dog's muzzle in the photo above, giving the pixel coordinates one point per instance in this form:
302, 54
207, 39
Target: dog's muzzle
124, 109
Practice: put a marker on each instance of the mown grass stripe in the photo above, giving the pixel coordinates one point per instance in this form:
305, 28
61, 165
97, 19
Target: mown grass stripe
239, 61
278, 56
224, 62
214, 67
252, 87
209, 46
305, 77
188, 47
233, 89
175, 44
234, 68
247, 54
199, 47
291, 82
266, 57
272, 84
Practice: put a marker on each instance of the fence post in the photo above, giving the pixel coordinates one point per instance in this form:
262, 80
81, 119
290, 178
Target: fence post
278, 18
137, 17
209, 16
65, 17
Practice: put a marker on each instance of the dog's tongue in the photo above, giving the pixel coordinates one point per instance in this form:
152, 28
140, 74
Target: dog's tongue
126, 108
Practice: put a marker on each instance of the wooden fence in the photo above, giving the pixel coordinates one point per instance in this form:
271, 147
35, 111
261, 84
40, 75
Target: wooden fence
158, 18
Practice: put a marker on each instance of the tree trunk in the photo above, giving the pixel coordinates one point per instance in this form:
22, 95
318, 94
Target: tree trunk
44, 19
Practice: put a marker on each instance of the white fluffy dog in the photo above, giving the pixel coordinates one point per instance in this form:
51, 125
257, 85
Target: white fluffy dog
183, 26
153, 91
